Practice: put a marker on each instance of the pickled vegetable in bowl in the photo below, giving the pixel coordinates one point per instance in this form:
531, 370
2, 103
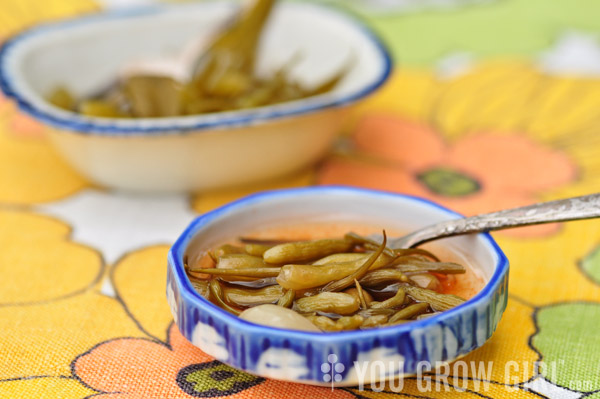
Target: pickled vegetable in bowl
339, 281
274, 341
224, 78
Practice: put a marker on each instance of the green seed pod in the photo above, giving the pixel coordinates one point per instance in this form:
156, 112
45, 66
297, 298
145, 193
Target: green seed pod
409, 312
377, 277
349, 322
341, 258
239, 261
301, 251
328, 302
412, 265
393, 302
374, 321
439, 302
364, 298
201, 287
226, 249
300, 277
341, 324
287, 299
366, 313
250, 272
322, 322
256, 249
216, 294
368, 243
251, 297
345, 282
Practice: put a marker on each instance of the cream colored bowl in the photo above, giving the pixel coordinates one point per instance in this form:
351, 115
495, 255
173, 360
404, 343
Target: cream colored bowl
191, 152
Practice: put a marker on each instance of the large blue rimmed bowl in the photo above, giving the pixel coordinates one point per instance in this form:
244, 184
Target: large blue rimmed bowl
195, 152
299, 356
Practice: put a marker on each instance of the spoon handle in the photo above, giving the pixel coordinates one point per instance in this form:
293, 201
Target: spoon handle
577, 208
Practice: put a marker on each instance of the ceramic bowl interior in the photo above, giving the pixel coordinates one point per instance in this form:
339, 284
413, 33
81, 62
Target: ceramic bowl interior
86, 54
297, 355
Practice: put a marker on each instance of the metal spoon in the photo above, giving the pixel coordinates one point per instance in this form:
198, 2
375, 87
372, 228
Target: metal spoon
577, 208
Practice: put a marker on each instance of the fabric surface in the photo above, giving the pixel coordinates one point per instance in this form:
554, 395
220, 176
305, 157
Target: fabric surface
493, 104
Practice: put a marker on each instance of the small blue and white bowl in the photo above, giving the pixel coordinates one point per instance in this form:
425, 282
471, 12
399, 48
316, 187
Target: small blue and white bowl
199, 152
298, 356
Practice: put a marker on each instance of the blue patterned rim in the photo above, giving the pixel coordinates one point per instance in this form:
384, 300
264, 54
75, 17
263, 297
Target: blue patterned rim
189, 294
85, 125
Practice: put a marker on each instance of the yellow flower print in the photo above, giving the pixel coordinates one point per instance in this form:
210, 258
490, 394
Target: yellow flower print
35, 251
504, 97
31, 171
409, 93
15, 14
135, 368
207, 201
44, 387
51, 309
43, 339
140, 279
545, 271
476, 174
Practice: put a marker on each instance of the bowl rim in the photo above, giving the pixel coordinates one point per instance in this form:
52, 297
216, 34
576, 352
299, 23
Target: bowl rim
67, 120
190, 295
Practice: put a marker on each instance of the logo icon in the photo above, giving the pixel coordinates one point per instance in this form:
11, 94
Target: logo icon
332, 370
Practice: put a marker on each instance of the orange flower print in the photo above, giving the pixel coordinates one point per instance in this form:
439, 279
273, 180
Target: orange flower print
134, 368
480, 173
18, 123
23, 125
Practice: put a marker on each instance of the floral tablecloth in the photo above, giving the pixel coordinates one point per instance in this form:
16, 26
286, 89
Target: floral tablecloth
493, 104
